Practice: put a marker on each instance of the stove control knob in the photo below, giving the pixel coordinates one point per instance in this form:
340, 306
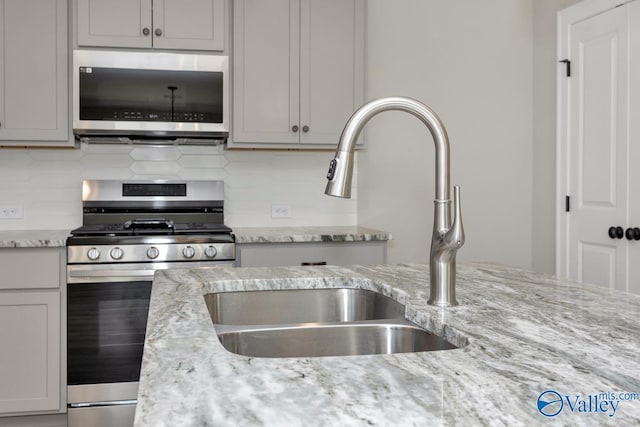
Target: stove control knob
93, 254
188, 252
210, 251
116, 253
153, 252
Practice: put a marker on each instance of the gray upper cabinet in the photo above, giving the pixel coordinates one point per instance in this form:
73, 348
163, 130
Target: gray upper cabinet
161, 24
33, 73
298, 71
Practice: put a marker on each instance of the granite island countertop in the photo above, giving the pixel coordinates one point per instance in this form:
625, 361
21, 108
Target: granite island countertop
520, 334
33, 238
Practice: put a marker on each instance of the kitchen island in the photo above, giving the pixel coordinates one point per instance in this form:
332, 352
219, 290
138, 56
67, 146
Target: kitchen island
519, 334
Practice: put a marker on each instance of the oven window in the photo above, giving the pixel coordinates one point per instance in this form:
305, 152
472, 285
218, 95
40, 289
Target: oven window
123, 94
106, 324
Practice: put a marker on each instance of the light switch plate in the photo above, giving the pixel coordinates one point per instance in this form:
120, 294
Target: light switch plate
281, 211
11, 211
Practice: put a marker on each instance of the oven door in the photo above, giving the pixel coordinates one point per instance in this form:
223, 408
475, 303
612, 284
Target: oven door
106, 323
107, 308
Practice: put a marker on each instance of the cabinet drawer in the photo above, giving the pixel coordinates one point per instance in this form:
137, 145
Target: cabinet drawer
24, 268
291, 254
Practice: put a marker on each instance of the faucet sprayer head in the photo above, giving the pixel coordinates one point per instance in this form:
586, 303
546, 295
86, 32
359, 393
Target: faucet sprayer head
339, 175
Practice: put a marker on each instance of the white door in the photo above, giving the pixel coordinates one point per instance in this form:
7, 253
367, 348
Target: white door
633, 220
597, 148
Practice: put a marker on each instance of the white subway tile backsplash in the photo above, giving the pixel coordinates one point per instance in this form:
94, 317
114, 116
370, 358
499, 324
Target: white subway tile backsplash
94, 172
155, 153
202, 149
203, 174
52, 179
15, 158
12, 177
158, 168
106, 148
47, 183
202, 161
55, 155
107, 160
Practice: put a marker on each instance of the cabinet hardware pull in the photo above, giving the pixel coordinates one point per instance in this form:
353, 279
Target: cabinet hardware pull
313, 263
294, 128
146, 31
158, 32
305, 128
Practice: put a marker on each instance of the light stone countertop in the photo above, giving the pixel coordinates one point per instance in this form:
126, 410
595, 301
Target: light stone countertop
33, 238
525, 333
57, 238
308, 234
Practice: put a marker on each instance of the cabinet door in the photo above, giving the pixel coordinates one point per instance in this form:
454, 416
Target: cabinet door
188, 24
331, 67
266, 50
30, 351
33, 72
114, 23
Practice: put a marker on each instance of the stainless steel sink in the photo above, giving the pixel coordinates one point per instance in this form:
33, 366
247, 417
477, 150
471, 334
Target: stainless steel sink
332, 340
316, 323
300, 306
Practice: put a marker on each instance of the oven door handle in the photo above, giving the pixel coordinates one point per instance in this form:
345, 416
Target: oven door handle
103, 403
112, 273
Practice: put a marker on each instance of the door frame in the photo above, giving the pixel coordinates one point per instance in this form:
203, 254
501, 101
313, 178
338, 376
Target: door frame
566, 19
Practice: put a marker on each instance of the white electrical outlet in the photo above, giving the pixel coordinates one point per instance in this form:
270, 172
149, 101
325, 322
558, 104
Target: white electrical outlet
10, 211
280, 211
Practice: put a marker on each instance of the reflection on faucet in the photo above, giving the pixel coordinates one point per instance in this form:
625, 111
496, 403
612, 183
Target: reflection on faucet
447, 237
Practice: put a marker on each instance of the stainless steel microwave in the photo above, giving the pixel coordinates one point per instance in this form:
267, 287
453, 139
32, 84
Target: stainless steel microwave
150, 96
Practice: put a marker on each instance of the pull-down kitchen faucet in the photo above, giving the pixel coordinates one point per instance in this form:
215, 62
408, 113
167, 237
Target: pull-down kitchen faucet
447, 237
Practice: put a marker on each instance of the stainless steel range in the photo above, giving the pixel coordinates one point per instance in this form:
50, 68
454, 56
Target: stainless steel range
130, 229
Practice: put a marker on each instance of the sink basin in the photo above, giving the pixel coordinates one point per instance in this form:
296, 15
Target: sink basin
316, 323
300, 306
332, 340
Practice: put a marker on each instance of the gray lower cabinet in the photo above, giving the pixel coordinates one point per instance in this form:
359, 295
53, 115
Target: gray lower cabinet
298, 71
311, 253
33, 73
32, 332
160, 24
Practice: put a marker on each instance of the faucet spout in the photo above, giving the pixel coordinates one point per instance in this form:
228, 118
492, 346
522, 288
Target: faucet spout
447, 236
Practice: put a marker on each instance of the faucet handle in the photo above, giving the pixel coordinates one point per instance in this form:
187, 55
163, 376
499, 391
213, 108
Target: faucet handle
455, 235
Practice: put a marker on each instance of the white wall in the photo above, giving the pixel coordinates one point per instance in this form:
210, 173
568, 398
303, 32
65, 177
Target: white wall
47, 183
471, 61
544, 132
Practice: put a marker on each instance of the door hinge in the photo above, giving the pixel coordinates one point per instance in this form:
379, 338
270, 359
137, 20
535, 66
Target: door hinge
568, 64
567, 203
